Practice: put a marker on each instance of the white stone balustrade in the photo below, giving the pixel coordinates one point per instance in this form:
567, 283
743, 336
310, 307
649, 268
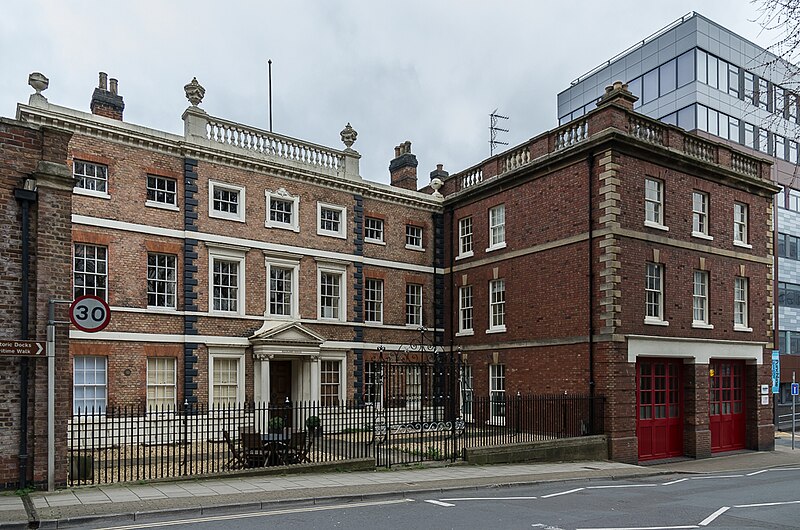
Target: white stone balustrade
517, 158
571, 134
472, 177
699, 149
743, 164
646, 130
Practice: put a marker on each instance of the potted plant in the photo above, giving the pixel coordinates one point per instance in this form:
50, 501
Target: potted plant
275, 424
314, 425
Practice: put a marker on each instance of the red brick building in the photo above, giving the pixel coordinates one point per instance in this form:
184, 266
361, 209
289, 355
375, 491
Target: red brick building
622, 257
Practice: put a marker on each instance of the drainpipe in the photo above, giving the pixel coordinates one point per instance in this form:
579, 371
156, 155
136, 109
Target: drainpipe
26, 196
590, 163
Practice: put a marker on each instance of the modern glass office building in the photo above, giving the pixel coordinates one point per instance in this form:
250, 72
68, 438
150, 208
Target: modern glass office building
702, 77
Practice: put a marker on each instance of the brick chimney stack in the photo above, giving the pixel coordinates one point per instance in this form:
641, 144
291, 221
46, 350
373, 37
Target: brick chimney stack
403, 169
619, 94
107, 102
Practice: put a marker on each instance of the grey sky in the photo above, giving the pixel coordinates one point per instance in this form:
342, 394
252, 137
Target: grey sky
425, 71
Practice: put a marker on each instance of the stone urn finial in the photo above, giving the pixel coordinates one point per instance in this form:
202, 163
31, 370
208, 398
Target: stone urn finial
194, 92
436, 183
348, 135
39, 82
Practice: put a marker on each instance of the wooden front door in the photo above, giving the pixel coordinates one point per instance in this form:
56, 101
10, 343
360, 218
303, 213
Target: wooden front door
726, 405
280, 382
659, 422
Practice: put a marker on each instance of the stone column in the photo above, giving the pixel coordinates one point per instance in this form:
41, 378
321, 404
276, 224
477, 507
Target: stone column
315, 379
261, 378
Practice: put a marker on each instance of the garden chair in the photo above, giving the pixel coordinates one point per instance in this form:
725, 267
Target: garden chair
237, 460
253, 451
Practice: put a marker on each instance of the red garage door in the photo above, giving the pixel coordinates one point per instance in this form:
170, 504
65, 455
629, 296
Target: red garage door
726, 405
659, 424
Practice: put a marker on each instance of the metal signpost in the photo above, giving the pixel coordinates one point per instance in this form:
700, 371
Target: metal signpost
89, 314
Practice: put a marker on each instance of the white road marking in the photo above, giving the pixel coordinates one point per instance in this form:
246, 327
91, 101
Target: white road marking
546, 526
785, 469
757, 472
759, 505
620, 486
715, 476
255, 514
440, 503
707, 521
489, 499
643, 527
561, 493
674, 482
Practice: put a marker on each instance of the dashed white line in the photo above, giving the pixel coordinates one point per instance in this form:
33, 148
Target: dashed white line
643, 527
561, 493
440, 503
761, 504
757, 472
715, 476
675, 482
620, 486
707, 521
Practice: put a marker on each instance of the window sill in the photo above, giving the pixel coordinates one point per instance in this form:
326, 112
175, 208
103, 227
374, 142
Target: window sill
465, 333
375, 241
91, 193
496, 247
742, 244
417, 249
220, 215
281, 226
655, 321
737, 327
657, 226
161, 309
701, 235
326, 233
702, 325
496, 330
162, 206
465, 255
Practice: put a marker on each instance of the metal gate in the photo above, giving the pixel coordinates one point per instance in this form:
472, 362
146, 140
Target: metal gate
415, 394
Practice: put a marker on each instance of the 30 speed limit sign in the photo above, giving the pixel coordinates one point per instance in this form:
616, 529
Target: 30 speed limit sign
90, 313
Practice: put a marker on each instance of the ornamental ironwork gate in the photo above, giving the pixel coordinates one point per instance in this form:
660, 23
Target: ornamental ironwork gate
415, 394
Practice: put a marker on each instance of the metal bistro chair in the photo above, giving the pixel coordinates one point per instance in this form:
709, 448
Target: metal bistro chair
299, 448
253, 449
237, 460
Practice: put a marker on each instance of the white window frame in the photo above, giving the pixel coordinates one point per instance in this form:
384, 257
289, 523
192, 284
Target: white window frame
741, 297
740, 225
654, 204
654, 290
497, 307
414, 305
700, 202
341, 272
97, 291
378, 220
700, 283
379, 303
165, 282
466, 314
465, 241
231, 354
497, 227
239, 216
165, 205
283, 196
227, 254
91, 192
340, 386
497, 374
341, 233
169, 387
467, 392
415, 237
98, 403
372, 378
294, 302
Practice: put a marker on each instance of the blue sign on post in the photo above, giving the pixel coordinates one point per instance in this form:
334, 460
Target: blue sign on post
776, 371
795, 389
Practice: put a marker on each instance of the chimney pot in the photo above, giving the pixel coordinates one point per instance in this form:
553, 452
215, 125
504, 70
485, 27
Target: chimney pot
103, 84
105, 103
113, 86
403, 169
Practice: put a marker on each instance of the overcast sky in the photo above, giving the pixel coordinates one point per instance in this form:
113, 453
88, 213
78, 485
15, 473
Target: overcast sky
426, 71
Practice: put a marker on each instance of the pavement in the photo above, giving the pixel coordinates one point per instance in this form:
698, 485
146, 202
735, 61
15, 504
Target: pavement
119, 504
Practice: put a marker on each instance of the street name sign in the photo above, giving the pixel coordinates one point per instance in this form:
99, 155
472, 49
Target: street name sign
776, 371
26, 348
90, 313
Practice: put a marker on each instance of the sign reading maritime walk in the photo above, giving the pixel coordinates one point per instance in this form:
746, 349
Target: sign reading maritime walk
27, 348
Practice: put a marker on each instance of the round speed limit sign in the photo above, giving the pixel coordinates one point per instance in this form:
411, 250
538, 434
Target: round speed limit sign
90, 313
